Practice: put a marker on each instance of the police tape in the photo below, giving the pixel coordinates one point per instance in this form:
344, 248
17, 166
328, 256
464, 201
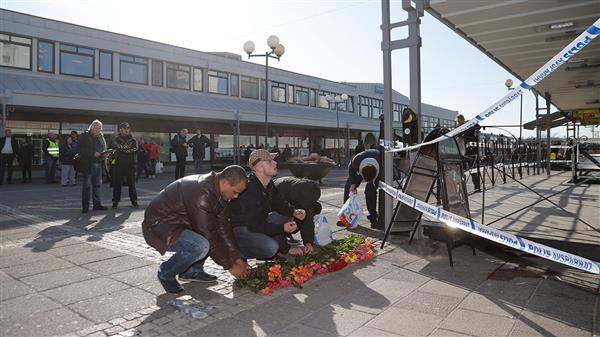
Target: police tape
493, 234
559, 59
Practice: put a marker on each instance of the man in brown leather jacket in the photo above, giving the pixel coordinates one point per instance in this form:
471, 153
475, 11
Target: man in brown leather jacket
191, 218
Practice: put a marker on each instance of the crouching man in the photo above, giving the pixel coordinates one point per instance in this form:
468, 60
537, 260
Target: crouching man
190, 217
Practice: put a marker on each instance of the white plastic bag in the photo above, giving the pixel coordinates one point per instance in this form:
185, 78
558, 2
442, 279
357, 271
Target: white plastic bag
350, 213
322, 230
159, 167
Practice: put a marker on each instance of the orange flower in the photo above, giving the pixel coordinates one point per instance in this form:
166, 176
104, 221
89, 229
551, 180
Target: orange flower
266, 291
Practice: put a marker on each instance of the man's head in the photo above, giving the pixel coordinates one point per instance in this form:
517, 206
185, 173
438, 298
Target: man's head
95, 128
460, 120
198, 132
74, 135
124, 129
262, 162
51, 135
183, 132
369, 169
7, 132
232, 182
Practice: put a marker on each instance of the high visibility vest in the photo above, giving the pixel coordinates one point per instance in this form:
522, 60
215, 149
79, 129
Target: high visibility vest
52, 148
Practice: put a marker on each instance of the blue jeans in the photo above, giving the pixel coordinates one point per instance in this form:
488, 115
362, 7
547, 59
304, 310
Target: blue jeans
50, 168
94, 180
191, 250
255, 245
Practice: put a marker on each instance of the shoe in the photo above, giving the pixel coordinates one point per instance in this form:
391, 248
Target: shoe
115, 205
134, 204
199, 276
65, 185
477, 190
170, 286
340, 224
100, 208
85, 210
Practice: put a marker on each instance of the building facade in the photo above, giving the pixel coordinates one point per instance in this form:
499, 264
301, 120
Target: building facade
56, 76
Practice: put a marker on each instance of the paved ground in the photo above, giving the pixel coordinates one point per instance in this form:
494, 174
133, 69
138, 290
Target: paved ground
65, 273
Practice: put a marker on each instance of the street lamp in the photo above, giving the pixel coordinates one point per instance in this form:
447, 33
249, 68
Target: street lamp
508, 85
277, 49
336, 100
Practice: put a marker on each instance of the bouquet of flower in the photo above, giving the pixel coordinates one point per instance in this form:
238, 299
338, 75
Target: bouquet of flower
335, 256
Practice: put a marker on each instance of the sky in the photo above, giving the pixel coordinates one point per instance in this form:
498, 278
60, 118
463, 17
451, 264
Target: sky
334, 39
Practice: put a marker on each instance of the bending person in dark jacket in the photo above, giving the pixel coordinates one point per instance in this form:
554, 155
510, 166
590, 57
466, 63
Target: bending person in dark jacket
302, 194
364, 166
261, 217
191, 218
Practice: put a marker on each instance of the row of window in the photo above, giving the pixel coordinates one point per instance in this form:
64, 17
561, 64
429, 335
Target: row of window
79, 61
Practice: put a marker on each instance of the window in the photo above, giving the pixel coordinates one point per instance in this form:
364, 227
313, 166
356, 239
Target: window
364, 105
133, 69
377, 107
178, 76
233, 85
105, 65
249, 86
397, 112
302, 96
45, 56
218, 82
198, 79
157, 73
350, 103
291, 94
278, 92
78, 61
15, 51
263, 90
313, 97
323, 100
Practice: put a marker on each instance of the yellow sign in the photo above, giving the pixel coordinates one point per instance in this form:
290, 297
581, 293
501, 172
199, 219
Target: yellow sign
586, 116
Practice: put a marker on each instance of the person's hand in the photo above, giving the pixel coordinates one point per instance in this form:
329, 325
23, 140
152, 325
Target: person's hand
290, 226
239, 269
296, 251
299, 214
97, 154
353, 188
185, 145
308, 248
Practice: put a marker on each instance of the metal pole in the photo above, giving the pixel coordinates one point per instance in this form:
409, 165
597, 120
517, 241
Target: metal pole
538, 158
266, 98
547, 97
415, 68
337, 130
385, 201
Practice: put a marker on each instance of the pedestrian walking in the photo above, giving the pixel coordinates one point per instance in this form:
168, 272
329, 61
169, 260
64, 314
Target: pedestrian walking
51, 154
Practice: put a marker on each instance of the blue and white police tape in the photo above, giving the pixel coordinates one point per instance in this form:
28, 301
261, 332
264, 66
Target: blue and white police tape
493, 234
561, 58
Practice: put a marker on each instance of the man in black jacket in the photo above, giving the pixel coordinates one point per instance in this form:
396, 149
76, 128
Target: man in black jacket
179, 146
25, 158
467, 144
364, 166
92, 155
9, 147
302, 194
261, 217
125, 147
199, 143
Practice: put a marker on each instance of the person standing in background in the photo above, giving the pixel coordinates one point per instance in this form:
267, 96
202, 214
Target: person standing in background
92, 155
199, 143
179, 146
25, 157
51, 153
125, 147
142, 160
67, 152
9, 146
152, 149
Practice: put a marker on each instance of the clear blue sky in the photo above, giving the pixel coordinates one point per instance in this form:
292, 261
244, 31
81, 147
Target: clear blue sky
337, 40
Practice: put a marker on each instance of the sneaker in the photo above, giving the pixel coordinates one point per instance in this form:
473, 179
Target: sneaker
115, 205
340, 224
199, 276
100, 208
134, 204
170, 286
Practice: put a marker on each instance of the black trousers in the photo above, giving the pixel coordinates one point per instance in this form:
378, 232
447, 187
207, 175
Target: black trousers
127, 172
180, 168
26, 170
6, 164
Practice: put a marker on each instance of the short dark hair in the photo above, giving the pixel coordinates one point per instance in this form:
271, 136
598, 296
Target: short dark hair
369, 173
234, 174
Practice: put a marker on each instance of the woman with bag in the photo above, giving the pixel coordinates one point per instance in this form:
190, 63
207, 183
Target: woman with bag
152, 150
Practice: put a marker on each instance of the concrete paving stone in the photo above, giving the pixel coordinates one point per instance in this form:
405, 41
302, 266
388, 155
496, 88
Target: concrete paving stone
300, 330
137, 276
478, 323
443, 288
84, 290
22, 257
113, 330
37, 267
540, 324
57, 278
228, 327
447, 333
294, 311
78, 248
434, 304
13, 288
405, 275
153, 287
20, 308
514, 292
94, 328
490, 305
561, 290
371, 271
366, 331
14, 236
574, 312
51, 323
405, 322
391, 289
117, 264
92, 256
113, 305
98, 334
337, 320
5, 252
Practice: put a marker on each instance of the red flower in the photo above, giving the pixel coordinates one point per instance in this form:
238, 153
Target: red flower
338, 265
